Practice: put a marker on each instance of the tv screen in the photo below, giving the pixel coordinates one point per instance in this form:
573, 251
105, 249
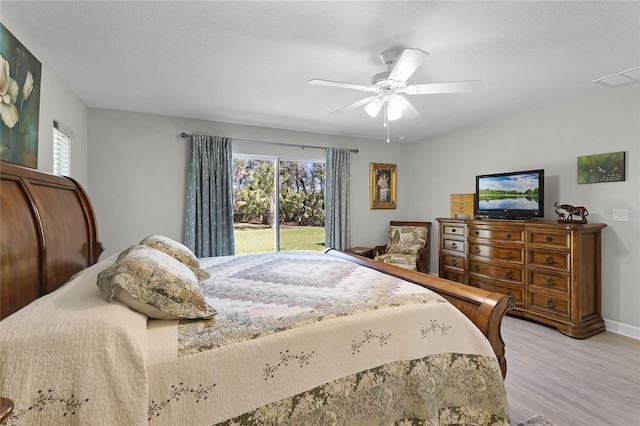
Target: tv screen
513, 195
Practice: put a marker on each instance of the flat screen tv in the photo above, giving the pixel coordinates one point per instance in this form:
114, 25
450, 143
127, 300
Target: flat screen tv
513, 195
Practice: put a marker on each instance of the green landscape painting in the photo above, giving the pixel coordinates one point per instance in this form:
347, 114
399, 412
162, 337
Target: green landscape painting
601, 168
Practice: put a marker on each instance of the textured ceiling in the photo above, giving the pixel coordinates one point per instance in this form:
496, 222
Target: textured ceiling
249, 62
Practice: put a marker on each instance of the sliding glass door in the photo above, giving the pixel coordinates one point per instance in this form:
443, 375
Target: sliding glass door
277, 211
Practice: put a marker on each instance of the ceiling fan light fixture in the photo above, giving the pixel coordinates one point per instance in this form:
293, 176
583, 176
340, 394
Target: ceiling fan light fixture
396, 105
374, 107
393, 115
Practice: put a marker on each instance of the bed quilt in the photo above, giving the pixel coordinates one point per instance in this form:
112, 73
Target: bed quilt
306, 338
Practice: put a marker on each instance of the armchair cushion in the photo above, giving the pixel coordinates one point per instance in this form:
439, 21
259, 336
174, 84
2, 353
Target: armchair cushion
406, 240
407, 261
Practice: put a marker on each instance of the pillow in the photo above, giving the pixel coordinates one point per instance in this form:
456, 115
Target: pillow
176, 250
406, 239
155, 284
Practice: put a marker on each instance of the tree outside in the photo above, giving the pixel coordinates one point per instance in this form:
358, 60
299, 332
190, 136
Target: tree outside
301, 205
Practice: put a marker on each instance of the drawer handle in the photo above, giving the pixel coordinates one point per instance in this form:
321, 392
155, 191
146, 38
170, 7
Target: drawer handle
453, 230
477, 250
550, 303
508, 292
507, 254
476, 285
508, 236
477, 233
454, 262
476, 268
548, 281
549, 239
548, 260
454, 245
508, 274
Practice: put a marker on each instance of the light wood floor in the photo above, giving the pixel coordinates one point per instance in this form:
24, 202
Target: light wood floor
595, 381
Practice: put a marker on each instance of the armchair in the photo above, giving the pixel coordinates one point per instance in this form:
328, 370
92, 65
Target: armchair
407, 246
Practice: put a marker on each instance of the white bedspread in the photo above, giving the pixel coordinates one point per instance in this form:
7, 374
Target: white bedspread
82, 362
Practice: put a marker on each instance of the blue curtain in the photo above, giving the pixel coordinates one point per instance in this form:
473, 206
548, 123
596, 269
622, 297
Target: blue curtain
208, 229
337, 232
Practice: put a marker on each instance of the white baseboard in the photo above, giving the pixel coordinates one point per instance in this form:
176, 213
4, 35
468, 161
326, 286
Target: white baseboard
623, 329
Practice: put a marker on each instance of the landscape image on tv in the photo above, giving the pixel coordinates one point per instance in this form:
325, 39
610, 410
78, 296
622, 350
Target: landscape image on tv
518, 192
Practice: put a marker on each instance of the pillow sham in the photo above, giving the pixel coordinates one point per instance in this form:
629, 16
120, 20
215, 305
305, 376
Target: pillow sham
155, 284
178, 251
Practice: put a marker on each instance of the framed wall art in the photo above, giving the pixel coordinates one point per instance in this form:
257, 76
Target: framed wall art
20, 74
601, 168
382, 193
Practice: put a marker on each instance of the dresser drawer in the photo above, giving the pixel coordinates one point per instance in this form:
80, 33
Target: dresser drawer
453, 245
452, 261
493, 271
510, 254
556, 260
516, 292
549, 239
453, 275
548, 304
545, 280
453, 230
514, 235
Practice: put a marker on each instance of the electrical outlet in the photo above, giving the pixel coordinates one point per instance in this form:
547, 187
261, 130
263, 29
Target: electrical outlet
620, 215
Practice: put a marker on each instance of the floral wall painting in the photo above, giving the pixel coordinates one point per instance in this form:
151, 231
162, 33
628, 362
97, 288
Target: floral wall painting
601, 168
20, 75
382, 194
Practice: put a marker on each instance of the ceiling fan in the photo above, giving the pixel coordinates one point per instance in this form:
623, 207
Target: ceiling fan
388, 87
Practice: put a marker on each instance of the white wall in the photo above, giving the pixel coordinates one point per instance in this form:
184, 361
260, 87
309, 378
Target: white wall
138, 172
59, 102
551, 138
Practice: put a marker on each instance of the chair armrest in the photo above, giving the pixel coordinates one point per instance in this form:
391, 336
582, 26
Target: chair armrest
378, 250
422, 259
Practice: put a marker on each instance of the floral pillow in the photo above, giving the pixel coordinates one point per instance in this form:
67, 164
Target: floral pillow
176, 250
406, 239
155, 284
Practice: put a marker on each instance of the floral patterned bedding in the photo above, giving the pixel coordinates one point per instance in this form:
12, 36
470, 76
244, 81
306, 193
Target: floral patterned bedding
300, 338
306, 338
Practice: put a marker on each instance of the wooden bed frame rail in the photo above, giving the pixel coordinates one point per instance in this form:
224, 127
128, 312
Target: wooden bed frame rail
47, 234
484, 308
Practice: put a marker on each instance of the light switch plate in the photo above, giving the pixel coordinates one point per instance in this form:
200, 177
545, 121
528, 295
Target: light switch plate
620, 215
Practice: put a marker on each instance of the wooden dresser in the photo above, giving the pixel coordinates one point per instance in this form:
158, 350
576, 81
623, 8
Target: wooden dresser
552, 270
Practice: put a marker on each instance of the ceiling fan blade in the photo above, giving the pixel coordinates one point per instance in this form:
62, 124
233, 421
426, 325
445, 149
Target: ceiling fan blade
407, 63
354, 105
338, 84
409, 111
436, 88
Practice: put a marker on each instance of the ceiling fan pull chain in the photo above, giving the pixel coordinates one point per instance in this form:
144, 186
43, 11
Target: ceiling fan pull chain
386, 121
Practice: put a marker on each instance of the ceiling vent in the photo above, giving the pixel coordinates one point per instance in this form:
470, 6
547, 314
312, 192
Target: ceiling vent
620, 79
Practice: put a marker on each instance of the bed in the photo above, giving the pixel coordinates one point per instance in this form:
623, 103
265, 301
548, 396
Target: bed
297, 337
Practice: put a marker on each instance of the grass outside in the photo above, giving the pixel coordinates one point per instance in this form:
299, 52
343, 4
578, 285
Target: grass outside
262, 239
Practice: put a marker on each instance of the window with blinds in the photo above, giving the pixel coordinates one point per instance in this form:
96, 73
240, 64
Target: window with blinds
61, 151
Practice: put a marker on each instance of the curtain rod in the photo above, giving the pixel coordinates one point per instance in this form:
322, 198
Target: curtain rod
186, 135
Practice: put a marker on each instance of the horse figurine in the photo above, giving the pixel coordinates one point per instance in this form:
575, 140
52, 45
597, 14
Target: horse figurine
569, 212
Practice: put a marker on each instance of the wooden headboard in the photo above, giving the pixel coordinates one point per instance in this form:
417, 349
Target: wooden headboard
48, 233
